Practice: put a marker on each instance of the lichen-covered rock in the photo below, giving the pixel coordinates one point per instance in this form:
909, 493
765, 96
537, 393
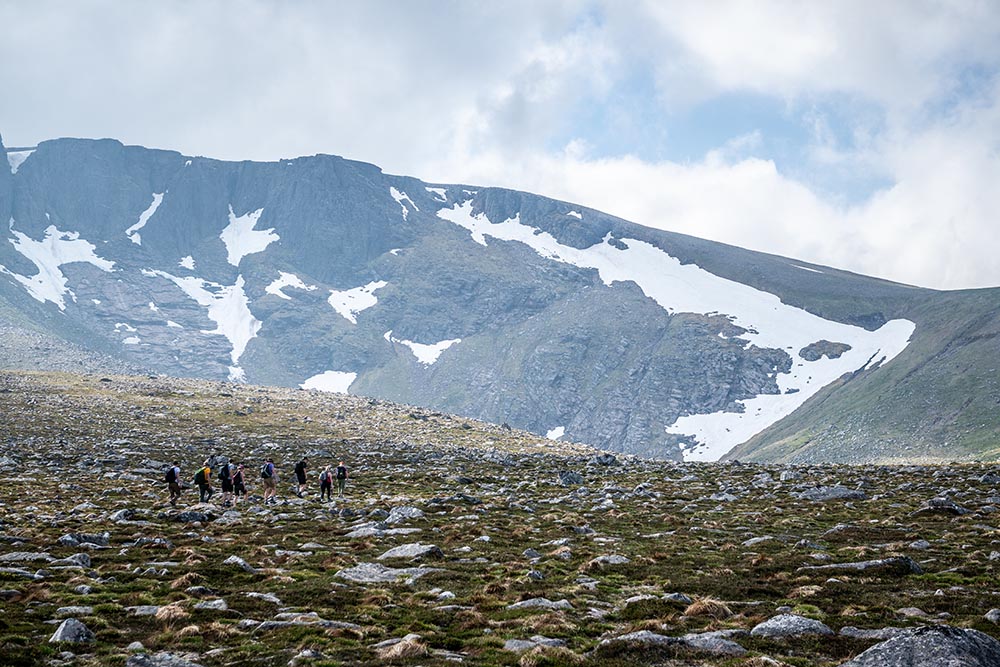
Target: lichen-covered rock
790, 625
72, 631
933, 646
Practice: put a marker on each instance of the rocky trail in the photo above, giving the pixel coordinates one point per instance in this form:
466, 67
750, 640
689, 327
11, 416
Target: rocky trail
460, 542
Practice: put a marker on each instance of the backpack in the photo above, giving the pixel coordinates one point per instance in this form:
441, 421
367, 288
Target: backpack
224, 474
324, 477
300, 468
265, 472
199, 477
171, 476
341, 472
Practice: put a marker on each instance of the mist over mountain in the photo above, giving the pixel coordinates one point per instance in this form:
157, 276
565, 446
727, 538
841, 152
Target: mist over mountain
326, 273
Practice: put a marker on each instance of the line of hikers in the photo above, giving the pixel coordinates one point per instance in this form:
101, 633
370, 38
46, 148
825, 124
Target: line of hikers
232, 479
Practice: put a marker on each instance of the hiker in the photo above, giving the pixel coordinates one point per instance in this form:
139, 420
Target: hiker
239, 484
226, 481
269, 480
174, 482
326, 484
203, 479
341, 479
300, 475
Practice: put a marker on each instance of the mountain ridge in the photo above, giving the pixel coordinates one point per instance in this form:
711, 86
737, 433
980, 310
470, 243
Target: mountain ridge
321, 269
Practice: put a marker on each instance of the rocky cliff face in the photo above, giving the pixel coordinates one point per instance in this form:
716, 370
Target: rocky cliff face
327, 273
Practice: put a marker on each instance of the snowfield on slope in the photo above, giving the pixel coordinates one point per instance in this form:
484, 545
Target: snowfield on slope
337, 382
287, 280
426, 353
351, 302
48, 255
687, 288
227, 306
242, 239
133, 232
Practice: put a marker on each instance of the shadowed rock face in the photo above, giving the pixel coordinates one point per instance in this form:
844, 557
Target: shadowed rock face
276, 273
932, 647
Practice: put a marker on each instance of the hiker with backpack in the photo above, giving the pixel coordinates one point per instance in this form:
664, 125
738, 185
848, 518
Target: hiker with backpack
326, 484
239, 484
300, 475
226, 481
269, 480
341, 479
203, 479
173, 479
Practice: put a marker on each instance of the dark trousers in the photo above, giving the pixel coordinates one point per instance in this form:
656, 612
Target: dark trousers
326, 490
175, 492
204, 492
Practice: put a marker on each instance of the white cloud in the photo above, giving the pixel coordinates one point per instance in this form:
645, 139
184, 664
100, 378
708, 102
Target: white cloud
490, 94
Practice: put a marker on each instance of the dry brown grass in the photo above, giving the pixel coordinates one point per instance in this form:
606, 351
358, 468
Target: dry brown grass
553, 622
189, 631
496, 588
548, 655
189, 579
408, 648
377, 598
171, 613
804, 592
710, 607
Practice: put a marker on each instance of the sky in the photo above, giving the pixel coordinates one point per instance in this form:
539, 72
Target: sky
853, 134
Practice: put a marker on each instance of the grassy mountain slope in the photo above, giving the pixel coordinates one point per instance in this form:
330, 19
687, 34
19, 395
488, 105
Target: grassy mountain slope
938, 400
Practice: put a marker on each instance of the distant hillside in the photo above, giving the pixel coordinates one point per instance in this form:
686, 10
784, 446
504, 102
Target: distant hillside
505, 306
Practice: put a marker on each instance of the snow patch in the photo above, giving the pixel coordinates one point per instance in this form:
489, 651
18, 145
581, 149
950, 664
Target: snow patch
131, 340
400, 197
351, 302
173, 325
687, 288
576, 214
187, 263
16, 158
153, 307
287, 280
187, 163
237, 374
337, 382
242, 239
133, 232
806, 268
227, 305
556, 433
48, 255
395, 251
425, 353
441, 194
96, 302
120, 326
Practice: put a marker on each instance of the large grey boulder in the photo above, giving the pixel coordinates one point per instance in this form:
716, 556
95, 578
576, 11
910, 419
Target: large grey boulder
376, 573
73, 631
414, 551
161, 659
821, 494
708, 643
933, 646
401, 514
898, 565
790, 625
